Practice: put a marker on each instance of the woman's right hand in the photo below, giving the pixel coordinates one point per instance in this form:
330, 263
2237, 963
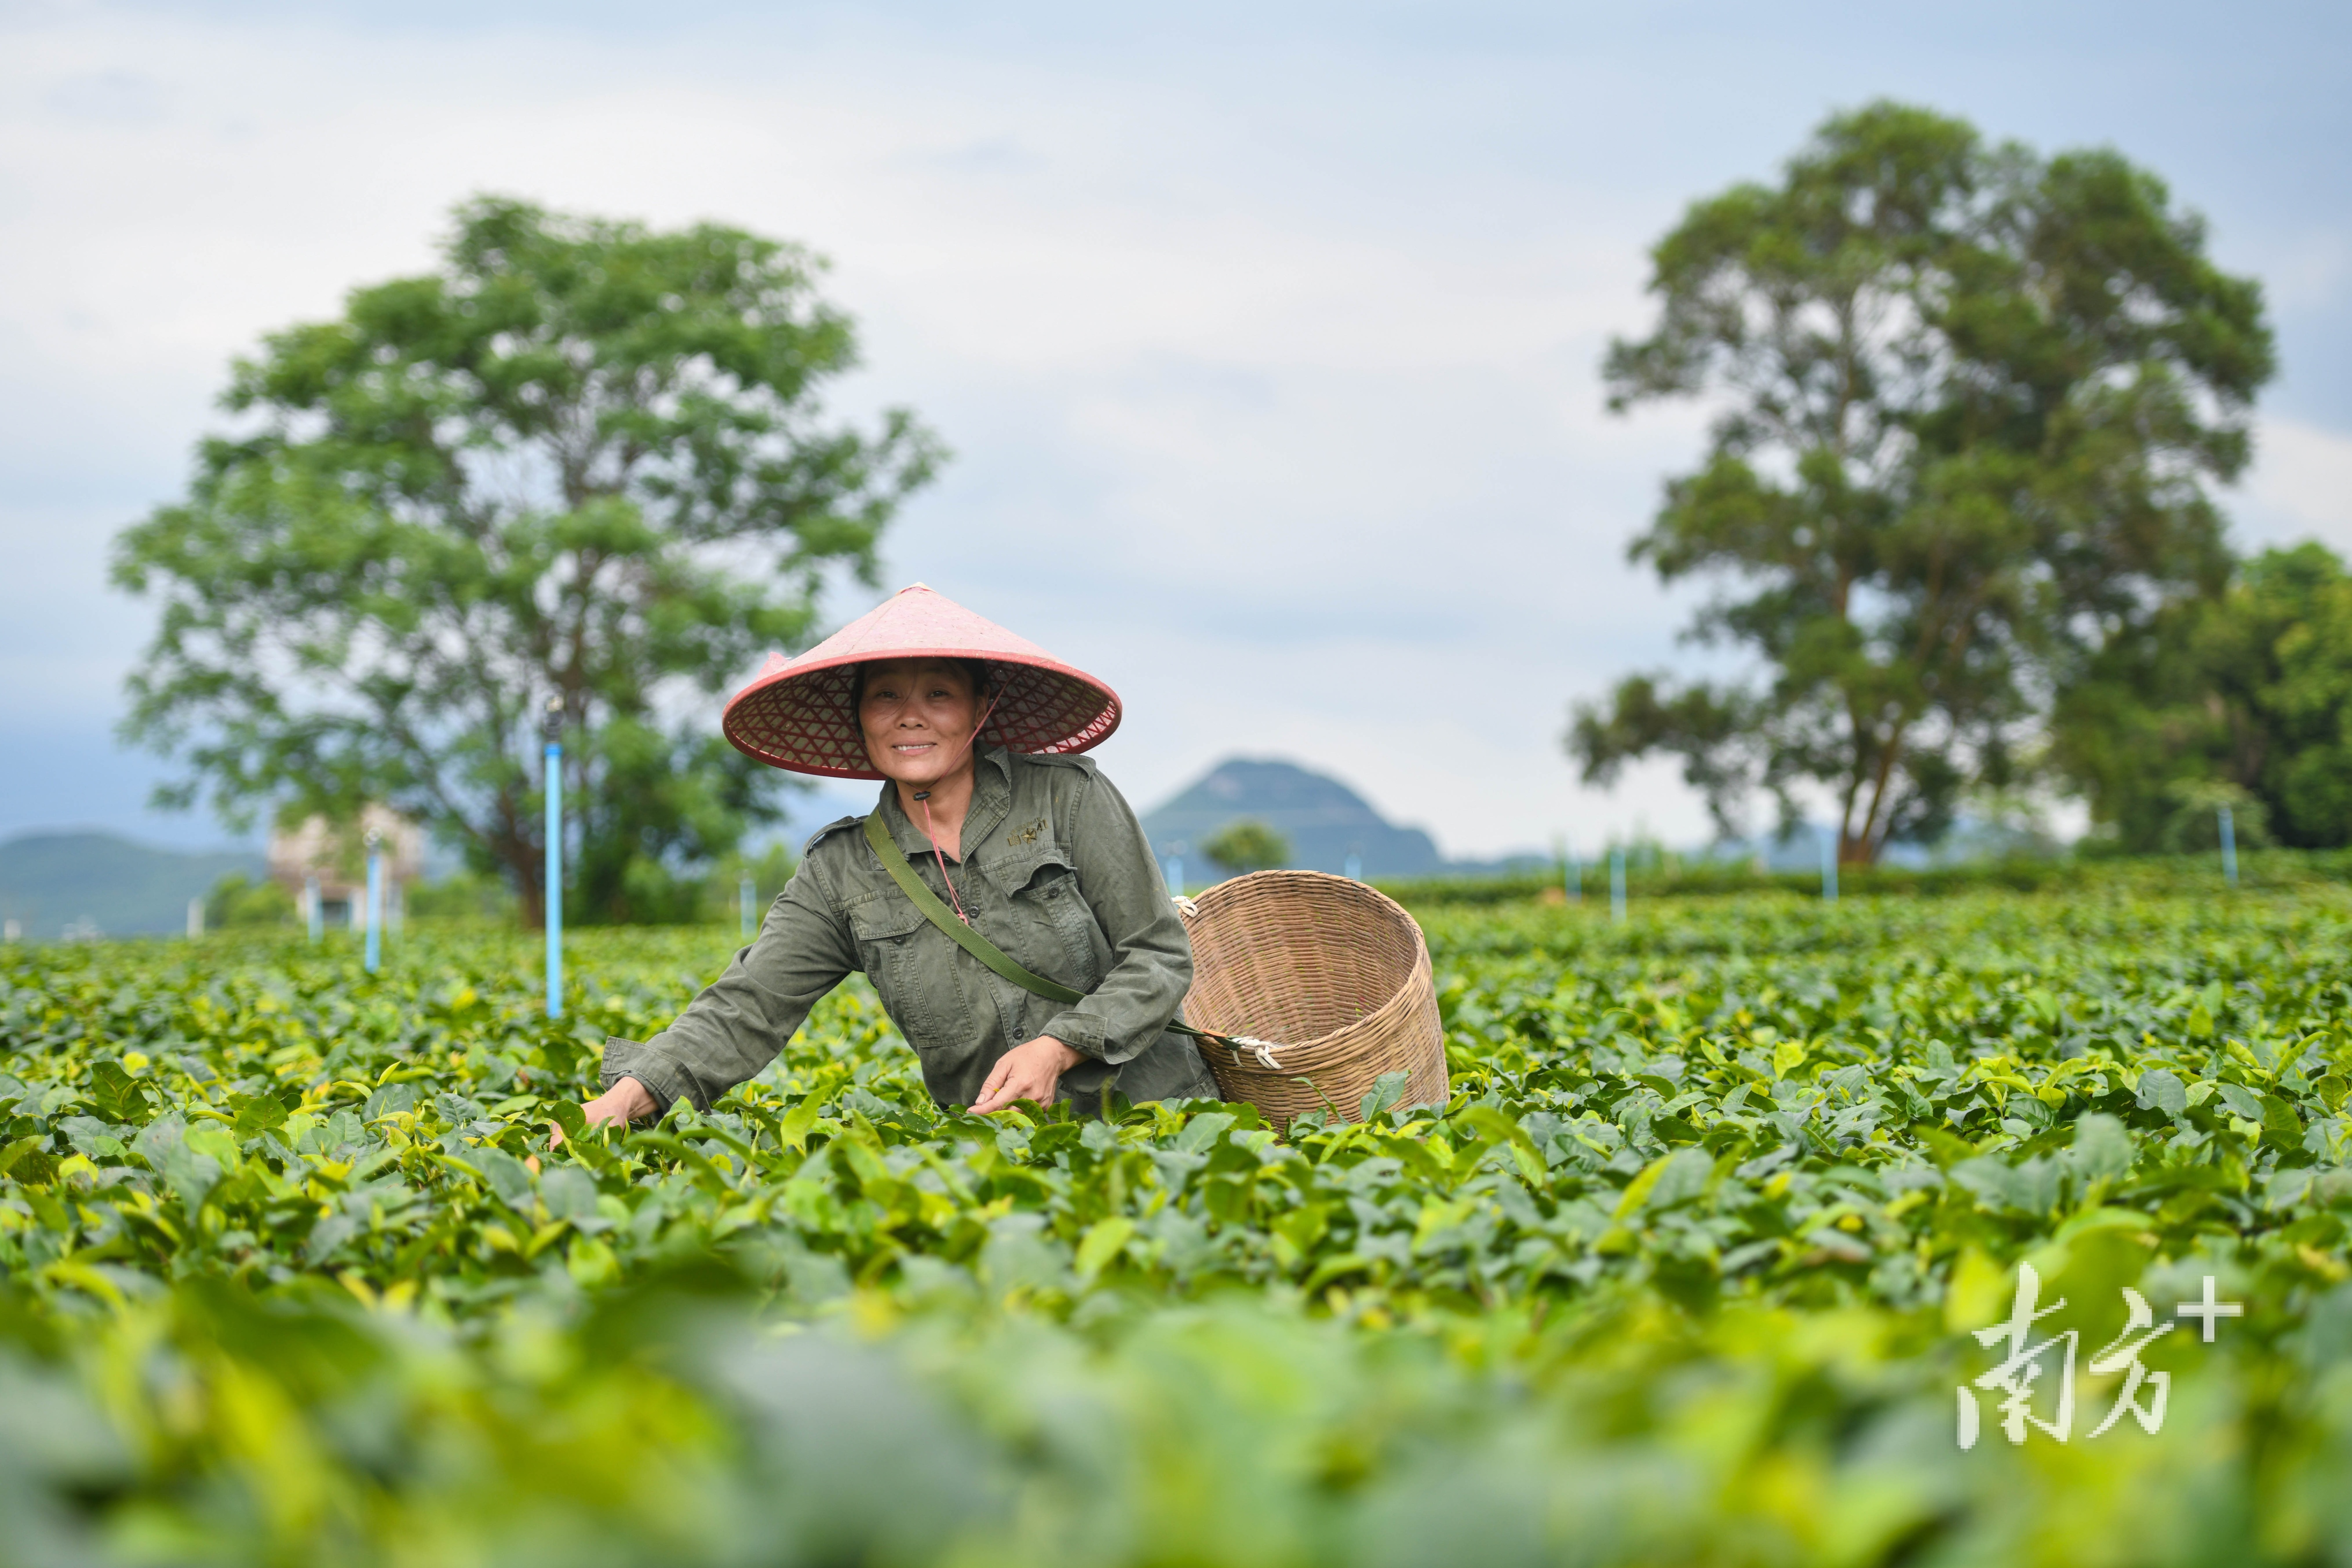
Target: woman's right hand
626, 1101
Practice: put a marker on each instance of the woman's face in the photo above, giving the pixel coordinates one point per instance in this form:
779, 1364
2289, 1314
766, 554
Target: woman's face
917, 716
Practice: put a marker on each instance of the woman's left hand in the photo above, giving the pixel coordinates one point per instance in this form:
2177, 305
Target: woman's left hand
1033, 1071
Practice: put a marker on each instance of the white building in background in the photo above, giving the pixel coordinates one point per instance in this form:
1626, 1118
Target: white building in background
321, 860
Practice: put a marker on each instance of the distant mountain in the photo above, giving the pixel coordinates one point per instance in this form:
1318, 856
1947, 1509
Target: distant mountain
1324, 820
50, 881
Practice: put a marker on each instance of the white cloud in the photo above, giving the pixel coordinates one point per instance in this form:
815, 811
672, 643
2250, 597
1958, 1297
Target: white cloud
1299, 476
2301, 484
1271, 372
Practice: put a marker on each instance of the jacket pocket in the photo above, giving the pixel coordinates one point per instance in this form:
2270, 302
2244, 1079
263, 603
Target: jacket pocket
896, 950
1055, 909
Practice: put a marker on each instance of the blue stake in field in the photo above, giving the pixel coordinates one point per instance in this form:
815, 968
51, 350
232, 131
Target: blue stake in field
374, 900
1617, 881
2228, 848
1828, 865
554, 789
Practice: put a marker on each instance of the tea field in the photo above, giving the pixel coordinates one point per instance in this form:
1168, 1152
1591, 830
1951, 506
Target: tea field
1689, 1270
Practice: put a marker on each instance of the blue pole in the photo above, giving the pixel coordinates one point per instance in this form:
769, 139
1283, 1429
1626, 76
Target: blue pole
374, 906
554, 869
1176, 875
318, 915
1828, 865
2229, 846
1617, 881
1355, 867
746, 895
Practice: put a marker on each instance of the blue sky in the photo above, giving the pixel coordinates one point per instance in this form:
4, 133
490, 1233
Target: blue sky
1266, 334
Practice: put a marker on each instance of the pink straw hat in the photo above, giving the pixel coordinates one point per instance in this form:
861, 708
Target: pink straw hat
798, 713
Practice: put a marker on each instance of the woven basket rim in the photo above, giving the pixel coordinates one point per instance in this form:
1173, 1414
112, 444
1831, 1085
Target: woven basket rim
1301, 1055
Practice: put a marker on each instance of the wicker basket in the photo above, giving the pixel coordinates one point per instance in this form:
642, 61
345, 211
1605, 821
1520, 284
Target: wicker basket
1333, 973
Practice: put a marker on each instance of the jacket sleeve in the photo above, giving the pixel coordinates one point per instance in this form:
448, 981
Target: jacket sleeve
739, 1023
1152, 958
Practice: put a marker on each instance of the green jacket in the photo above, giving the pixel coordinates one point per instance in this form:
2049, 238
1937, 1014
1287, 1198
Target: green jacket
1055, 871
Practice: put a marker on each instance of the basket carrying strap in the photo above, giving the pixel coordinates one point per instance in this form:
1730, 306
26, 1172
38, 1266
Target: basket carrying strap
894, 860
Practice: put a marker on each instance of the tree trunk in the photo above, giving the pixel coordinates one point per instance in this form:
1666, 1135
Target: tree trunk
529, 873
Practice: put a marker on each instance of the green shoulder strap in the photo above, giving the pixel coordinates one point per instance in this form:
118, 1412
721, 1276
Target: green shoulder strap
894, 860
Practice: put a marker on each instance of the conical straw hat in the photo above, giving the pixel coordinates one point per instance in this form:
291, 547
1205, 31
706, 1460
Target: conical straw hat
798, 713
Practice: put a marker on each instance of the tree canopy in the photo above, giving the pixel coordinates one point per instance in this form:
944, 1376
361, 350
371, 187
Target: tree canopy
579, 460
1970, 401
2244, 701
1247, 845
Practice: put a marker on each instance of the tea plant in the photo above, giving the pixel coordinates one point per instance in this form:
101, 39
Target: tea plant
1683, 1270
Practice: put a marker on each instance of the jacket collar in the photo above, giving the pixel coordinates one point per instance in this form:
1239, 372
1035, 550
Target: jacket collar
992, 799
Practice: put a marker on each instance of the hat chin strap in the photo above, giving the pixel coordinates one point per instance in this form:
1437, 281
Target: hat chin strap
923, 799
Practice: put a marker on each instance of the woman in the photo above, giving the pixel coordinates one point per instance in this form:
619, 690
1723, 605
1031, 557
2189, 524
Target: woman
975, 731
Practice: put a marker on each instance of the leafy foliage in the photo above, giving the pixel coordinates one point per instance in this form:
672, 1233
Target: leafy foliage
1971, 397
582, 460
1247, 845
769, 871
2243, 701
463, 895
1681, 1272
237, 900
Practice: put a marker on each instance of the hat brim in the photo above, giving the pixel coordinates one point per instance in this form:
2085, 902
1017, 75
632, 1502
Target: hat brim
802, 718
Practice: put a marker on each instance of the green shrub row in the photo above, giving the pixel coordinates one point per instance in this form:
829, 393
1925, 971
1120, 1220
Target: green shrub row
1685, 1269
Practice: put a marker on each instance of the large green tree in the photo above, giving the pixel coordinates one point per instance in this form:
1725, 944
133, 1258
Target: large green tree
579, 459
2244, 701
1968, 400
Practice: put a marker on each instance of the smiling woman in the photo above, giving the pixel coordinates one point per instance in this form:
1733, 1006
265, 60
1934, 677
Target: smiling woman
987, 809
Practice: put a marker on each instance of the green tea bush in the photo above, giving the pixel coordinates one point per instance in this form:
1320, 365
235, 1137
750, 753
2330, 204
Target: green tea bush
237, 899
1686, 1270
1658, 876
